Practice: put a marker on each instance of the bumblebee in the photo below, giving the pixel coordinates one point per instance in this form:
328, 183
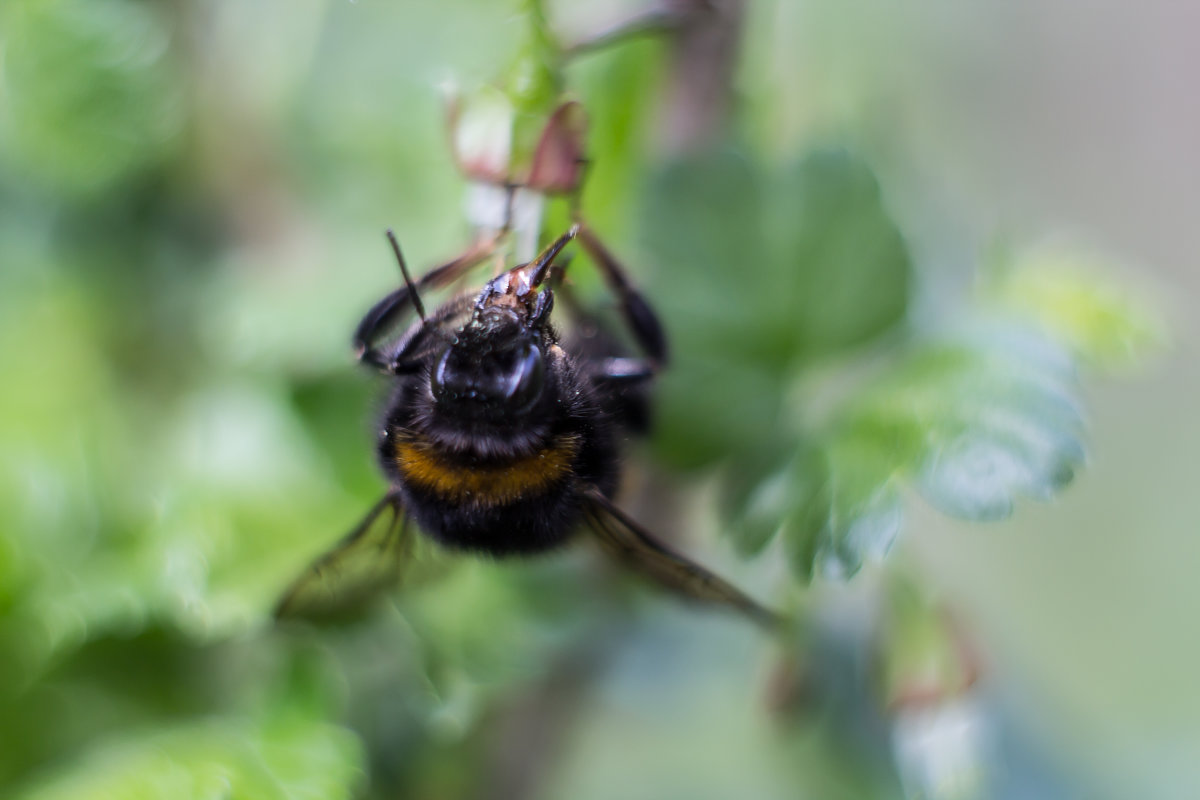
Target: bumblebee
501, 438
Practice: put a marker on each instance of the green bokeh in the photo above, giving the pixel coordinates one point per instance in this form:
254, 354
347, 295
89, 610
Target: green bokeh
192, 197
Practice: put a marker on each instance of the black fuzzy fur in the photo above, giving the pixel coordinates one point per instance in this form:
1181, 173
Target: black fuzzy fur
570, 405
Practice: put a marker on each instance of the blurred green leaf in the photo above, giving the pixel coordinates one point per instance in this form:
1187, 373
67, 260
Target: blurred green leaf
849, 270
181, 431
759, 494
755, 276
998, 415
976, 420
703, 225
127, 509
1071, 295
721, 395
226, 757
476, 617
758, 278
864, 508
91, 89
714, 408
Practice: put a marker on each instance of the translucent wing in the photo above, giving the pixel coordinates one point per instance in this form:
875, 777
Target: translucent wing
630, 544
369, 560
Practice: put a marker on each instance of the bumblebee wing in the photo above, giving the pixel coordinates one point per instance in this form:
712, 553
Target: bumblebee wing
369, 560
629, 543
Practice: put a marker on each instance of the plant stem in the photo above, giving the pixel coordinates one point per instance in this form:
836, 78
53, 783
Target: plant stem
704, 54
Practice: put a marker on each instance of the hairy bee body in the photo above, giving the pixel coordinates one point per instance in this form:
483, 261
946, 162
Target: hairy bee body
500, 440
502, 489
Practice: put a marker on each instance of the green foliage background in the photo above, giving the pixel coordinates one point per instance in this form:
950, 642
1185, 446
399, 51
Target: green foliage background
191, 201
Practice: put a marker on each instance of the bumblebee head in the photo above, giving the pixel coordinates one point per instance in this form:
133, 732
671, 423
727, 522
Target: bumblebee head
495, 368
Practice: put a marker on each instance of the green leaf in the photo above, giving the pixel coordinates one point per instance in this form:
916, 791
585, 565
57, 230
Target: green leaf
221, 758
1070, 294
864, 508
758, 277
975, 420
807, 528
850, 268
754, 276
713, 408
90, 89
773, 494
721, 396
1005, 423
702, 226
976, 474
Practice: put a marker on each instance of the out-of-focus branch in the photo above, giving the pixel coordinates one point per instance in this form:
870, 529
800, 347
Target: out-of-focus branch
704, 53
528, 734
704, 37
652, 22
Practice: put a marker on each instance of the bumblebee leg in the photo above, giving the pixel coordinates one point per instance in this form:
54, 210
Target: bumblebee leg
629, 543
642, 320
365, 563
406, 355
385, 315
382, 317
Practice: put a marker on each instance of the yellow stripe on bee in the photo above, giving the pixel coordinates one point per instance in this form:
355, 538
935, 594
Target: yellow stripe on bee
423, 466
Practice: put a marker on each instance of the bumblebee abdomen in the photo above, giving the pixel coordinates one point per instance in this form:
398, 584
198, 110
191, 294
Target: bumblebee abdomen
520, 504
527, 526
476, 482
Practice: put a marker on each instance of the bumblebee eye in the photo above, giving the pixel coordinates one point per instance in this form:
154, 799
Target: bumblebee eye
526, 379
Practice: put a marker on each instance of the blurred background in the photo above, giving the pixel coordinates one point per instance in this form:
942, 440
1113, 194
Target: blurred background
192, 200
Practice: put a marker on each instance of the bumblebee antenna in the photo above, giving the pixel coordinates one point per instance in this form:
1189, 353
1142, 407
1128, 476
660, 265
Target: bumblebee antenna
408, 281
